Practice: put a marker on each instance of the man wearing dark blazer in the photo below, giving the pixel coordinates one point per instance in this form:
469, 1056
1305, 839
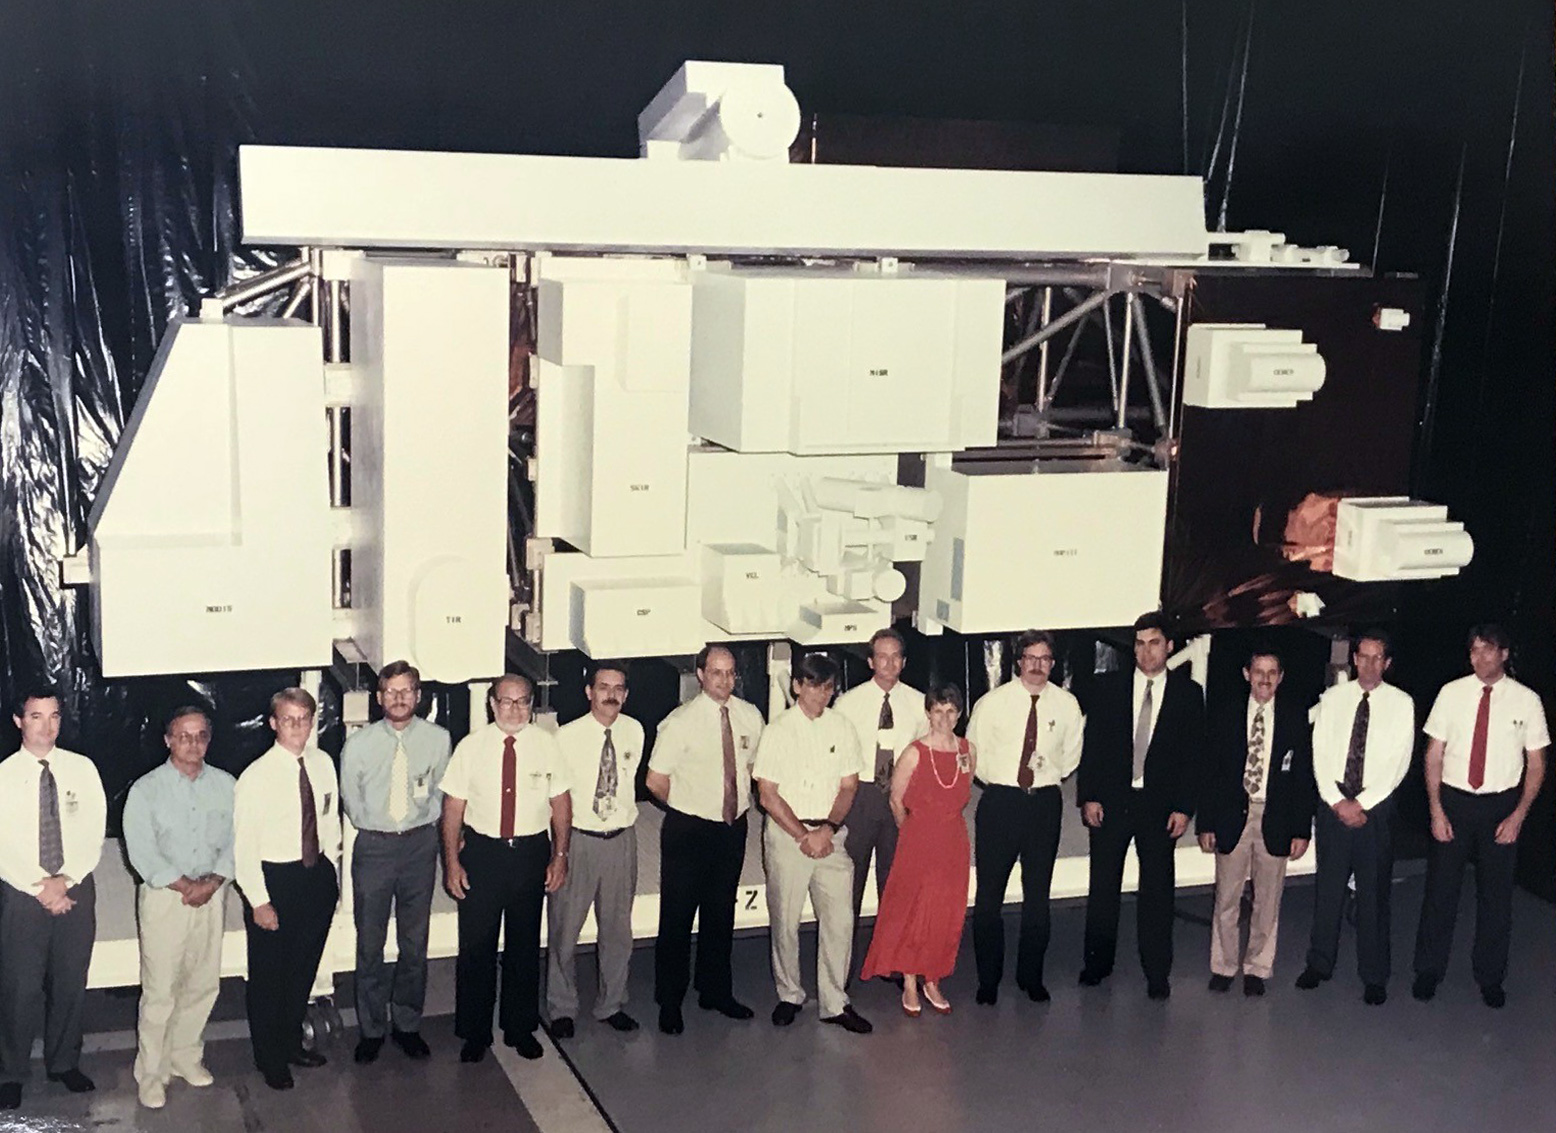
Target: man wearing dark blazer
1255, 815
1144, 732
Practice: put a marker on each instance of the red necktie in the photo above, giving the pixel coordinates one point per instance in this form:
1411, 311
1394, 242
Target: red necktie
510, 776
1478, 744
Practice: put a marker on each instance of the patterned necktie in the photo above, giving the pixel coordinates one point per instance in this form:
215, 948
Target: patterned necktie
1253, 773
728, 736
310, 815
51, 840
883, 755
1024, 776
1143, 731
1356, 754
605, 785
399, 783
510, 781
1478, 742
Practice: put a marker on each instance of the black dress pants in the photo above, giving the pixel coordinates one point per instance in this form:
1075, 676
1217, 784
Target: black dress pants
507, 893
1012, 825
1474, 819
1131, 817
699, 864
284, 962
1367, 852
43, 965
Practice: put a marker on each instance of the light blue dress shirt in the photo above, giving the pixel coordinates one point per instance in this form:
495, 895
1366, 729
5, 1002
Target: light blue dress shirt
365, 765
175, 826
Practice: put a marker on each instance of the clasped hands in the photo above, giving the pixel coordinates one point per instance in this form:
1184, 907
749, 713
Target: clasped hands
817, 843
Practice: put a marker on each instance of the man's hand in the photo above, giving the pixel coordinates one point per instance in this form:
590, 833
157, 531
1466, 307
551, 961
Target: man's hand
1207, 842
817, 843
1442, 829
265, 917
51, 892
1177, 823
1091, 814
556, 873
1508, 828
1298, 848
199, 892
454, 879
1350, 813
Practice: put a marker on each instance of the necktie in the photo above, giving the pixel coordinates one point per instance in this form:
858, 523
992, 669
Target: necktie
51, 841
310, 815
728, 735
399, 783
1253, 773
883, 755
510, 779
605, 784
1478, 744
1143, 731
1024, 776
1356, 754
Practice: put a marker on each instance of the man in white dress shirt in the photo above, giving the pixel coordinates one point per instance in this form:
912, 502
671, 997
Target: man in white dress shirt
286, 819
1363, 736
887, 715
505, 786
701, 771
602, 751
1028, 734
1485, 733
807, 769
52, 819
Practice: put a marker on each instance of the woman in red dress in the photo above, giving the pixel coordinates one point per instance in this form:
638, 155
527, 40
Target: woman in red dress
919, 927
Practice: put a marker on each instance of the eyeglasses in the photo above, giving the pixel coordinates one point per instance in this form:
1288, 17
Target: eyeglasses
191, 737
512, 702
296, 721
400, 693
1037, 658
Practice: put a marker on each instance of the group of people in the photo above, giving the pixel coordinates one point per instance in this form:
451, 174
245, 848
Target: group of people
531, 823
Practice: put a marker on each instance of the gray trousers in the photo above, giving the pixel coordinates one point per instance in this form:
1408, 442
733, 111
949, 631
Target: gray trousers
829, 883
602, 872
398, 870
43, 963
871, 829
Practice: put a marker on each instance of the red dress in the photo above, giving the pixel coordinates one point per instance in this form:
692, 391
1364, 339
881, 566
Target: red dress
919, 927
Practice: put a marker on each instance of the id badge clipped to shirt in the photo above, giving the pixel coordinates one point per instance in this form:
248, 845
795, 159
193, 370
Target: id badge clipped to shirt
72, 803
422, 787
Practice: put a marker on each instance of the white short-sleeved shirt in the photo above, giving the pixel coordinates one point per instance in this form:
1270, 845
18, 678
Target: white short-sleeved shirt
689, 748
475, 775
582, 743
807, 760
861, 707
1516, 725
998, 728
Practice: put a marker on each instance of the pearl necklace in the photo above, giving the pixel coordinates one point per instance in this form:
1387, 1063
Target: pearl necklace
955, 769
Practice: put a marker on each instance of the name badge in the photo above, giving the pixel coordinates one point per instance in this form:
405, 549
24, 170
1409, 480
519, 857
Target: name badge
1285, 763
72, 804
328, 800
422, 787
745, 742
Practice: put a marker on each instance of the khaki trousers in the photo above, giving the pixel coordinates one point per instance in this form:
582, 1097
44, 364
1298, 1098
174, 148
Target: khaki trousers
1249, 860
180, 974
829, 883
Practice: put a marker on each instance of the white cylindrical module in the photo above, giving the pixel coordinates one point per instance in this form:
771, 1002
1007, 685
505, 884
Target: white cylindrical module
758, 122
890, 584
1427, 546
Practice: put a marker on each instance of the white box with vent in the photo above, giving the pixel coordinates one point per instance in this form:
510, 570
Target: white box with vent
1249, 366
1396, 538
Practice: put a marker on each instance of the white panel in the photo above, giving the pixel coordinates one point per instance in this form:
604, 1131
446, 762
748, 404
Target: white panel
213, 516
1054, 550
395, 199
636, 617
430, 465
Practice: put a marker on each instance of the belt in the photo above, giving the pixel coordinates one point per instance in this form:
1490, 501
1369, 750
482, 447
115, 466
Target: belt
602, 835
507, 843
399, 833
1020, 790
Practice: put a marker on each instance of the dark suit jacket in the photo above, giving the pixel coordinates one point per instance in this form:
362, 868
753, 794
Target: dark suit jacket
1171, 762
1289, 796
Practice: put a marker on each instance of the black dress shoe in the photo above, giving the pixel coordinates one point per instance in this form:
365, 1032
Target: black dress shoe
988, 996
1220, 983
729, 1008
851, 1021
367, 1050
1091, 977
10, 1095
526, 1045
1158, 989
1253, 985
670, 1020
1374, 995
279, 1079
473, 1051
1309, 979
308, 1059
1492, 995
412, 1044
1425, 986
78, 1083
785, 1013
1037, 993
622, 1022
561, 1027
